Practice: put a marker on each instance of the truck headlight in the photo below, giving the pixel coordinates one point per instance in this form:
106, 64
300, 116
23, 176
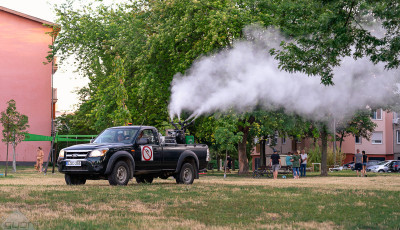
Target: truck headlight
61, 154
98, 152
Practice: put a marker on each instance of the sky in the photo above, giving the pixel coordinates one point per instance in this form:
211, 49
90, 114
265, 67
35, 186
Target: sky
65, 79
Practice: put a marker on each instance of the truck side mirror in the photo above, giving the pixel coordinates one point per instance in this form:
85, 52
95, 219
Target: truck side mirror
142, 141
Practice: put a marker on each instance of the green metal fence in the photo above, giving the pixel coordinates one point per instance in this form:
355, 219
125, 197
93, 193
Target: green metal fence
59, 138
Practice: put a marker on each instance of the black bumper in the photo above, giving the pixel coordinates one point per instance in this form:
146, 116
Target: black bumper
88, 166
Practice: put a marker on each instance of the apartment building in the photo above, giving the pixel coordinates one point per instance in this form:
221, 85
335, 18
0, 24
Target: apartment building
24, 46
381, 145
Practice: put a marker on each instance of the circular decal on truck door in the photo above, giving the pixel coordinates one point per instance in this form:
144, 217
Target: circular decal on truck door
147, 153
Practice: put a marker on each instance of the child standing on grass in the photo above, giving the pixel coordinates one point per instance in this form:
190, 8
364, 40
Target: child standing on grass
296, 164
289, 159
39, 159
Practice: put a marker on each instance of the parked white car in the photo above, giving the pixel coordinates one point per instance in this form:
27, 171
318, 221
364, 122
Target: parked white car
380, 167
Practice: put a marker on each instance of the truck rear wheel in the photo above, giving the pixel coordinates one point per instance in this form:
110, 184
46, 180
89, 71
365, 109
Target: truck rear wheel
119, 174
71, 179
186, 175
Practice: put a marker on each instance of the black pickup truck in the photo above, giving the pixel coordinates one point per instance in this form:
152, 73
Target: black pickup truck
121, 153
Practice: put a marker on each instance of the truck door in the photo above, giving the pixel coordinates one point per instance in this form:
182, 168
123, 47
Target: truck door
148, 156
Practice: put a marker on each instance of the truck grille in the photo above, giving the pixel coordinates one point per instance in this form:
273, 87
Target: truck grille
76, 154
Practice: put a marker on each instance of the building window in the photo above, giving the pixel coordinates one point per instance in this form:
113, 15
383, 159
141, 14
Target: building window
398, 136
283, 140
358, 140
376, 114
377, 138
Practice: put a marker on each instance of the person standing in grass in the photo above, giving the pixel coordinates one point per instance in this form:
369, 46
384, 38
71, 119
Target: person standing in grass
289, 159
275, 163
39, 159
365, 161
303, 165
296, 164
229, 164
358, 159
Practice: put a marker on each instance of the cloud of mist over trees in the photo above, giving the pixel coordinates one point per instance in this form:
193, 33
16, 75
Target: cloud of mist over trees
246, 76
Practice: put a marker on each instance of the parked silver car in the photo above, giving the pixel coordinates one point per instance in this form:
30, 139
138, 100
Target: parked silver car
372, 162
383, 166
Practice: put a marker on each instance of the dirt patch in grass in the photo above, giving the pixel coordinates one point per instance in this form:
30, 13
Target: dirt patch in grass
300, 225
364, 183
156, 222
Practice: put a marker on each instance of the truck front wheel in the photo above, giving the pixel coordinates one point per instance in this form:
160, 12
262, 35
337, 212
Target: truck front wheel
120, 174
74, 179
186, 175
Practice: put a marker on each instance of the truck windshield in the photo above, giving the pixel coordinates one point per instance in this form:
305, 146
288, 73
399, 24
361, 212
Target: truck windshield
119, 135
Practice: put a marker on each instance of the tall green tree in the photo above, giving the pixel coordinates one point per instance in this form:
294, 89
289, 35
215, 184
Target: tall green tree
15, 127
105, 42
154, 39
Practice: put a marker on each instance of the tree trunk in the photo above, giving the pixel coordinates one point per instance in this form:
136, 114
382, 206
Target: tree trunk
225, 162
324, 153
263, 159
14, 164
243, 161
340, 150
5, 174
242, 155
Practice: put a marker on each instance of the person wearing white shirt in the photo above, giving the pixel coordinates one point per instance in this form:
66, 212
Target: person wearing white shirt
303, 164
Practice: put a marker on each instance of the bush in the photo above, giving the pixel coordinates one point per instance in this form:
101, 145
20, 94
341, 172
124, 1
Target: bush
314, 156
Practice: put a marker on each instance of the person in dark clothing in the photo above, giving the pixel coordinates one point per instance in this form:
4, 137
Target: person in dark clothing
365, 161
229, 163
275, 163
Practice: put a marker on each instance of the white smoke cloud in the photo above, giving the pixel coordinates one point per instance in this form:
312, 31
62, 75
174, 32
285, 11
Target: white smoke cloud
246, 76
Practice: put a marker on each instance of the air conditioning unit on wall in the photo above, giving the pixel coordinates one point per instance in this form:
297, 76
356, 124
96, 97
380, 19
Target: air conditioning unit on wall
396, 121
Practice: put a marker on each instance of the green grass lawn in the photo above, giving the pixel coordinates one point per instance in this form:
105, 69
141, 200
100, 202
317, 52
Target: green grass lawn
340, 201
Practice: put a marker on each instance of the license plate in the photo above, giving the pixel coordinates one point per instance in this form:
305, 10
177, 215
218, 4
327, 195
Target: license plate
73, 163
